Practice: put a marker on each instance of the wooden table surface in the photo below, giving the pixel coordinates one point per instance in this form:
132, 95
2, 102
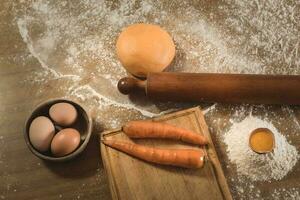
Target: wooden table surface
22, 175
37, 37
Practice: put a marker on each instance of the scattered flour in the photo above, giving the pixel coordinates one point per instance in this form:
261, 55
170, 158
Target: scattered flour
210, 108
259, 167
86, 56
105, 101
268, 31
84, 42
288, 194
77, 49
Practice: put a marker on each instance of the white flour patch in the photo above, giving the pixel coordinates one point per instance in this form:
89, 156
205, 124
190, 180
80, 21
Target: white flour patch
259, 167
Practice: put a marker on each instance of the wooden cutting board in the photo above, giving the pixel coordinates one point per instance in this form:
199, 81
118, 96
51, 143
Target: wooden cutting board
134, 179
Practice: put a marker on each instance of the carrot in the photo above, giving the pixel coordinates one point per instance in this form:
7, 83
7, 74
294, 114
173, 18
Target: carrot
148, 129
188, 158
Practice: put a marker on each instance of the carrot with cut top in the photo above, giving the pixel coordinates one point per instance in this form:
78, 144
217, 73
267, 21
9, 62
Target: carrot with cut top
148, 129
188, 158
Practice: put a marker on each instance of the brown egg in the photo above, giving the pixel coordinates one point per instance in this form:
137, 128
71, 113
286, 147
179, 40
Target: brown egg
63, 114
41, 132
65, 142
144, 48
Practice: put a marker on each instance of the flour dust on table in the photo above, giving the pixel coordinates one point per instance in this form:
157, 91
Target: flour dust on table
72, 44
251, 173
259, 167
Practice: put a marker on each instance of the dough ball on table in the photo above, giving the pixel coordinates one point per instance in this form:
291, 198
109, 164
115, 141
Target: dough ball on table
144, 48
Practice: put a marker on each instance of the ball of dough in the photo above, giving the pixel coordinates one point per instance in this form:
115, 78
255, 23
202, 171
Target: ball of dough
144, 48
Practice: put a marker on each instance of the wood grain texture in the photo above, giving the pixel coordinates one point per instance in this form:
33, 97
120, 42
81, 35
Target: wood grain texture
224, 88
131, 178
22, 175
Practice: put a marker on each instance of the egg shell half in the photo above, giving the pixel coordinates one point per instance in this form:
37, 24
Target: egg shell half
63, 114
41, 132
65, 142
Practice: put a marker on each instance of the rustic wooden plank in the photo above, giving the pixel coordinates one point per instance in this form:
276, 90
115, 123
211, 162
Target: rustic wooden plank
213, 155
131, 178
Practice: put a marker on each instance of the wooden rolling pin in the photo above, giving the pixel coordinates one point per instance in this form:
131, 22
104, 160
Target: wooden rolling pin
224, 88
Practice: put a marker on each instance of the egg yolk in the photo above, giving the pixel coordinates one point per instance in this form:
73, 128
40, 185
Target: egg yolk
262, 141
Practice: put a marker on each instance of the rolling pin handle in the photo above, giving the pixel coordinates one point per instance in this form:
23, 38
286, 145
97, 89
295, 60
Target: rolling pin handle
129, 85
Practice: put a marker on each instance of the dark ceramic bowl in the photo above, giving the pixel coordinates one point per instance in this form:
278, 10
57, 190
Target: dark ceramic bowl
83, 124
